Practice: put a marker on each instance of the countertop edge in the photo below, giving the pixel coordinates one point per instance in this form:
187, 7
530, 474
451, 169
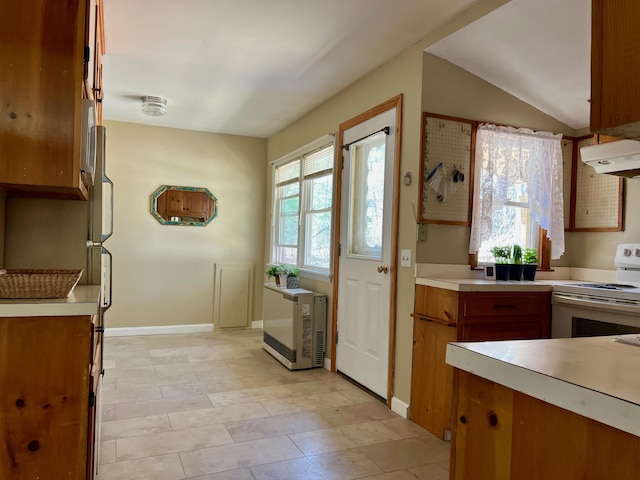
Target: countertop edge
584, 401
480, 285
83, 300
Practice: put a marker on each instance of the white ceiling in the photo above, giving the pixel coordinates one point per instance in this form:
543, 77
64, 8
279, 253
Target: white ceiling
252, 67
538, 51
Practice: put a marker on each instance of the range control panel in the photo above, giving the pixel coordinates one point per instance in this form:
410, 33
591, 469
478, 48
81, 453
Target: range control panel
628, 255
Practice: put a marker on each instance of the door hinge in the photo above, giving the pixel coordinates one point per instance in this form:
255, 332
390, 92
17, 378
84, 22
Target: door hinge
92, 399
339, 249
342, 163
336, 338
87, 54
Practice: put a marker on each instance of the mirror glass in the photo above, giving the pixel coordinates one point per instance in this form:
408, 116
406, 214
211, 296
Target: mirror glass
173, 205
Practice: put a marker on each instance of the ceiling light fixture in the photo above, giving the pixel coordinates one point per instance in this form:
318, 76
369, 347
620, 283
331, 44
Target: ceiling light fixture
154, 106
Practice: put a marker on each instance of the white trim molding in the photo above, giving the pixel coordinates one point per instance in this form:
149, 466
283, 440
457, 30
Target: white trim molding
157, 330
256, 324
400, 407
327, 363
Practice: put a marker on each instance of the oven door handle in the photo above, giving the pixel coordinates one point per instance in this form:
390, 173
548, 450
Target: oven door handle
590, 302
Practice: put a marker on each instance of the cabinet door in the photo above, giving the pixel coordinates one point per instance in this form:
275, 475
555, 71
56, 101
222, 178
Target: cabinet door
615, 67
196, 204
44, 380
41, 73
176, 205
431, 378
437, 303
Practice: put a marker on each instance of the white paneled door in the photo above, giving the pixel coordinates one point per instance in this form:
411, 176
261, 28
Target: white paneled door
364, 280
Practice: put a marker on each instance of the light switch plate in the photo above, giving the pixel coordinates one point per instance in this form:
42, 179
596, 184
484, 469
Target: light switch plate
405, 258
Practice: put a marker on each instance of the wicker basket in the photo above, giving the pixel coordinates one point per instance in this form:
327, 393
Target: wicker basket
38, 283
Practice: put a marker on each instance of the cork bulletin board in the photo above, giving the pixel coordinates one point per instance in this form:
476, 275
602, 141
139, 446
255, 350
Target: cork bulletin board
598, 197
446, 174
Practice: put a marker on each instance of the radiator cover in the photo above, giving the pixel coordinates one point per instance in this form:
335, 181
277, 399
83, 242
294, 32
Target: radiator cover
294, 324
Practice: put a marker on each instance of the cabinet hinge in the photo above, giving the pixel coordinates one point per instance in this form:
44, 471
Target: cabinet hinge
87, 53
339, 249
342, 166
336, 338
92, 399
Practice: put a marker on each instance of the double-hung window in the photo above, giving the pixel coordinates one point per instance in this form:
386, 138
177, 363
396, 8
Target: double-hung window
518, 189
302, 204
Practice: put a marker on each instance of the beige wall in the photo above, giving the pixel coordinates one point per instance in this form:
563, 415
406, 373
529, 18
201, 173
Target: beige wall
43, 233
163, 275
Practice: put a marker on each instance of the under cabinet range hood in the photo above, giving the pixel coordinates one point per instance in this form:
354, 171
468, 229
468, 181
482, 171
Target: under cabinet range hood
621, 157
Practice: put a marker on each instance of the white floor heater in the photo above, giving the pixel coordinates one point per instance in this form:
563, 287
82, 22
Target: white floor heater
294, 326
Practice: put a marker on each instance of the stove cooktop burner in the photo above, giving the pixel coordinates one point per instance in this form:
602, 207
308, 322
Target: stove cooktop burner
607, 286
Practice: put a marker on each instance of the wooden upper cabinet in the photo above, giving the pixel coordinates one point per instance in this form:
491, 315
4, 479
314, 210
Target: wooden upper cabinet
42, 75
94, 40
615, 68
183, 203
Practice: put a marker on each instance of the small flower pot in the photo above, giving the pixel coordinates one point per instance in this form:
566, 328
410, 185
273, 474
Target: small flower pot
283, 281
515, 272
502, 271
529, 272
293, 282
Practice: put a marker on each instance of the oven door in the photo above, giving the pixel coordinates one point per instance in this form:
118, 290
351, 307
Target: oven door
584, 316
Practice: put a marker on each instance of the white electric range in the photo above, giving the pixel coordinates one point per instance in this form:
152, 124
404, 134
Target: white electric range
591, 309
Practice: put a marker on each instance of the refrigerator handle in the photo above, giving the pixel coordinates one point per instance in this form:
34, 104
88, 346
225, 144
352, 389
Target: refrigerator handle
107, 180
106, 299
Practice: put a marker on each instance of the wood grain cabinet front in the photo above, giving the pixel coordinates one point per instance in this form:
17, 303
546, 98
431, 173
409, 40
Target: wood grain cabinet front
615, 68
42, 73
48, 369
442, 316
500, 433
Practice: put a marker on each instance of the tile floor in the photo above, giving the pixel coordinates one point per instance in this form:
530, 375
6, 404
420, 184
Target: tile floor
216, 406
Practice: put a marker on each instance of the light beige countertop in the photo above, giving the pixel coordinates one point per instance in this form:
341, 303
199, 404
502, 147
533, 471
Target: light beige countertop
83, 300
594, 377
481, 285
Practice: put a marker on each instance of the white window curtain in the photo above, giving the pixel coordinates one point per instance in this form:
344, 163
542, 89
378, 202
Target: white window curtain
505, 155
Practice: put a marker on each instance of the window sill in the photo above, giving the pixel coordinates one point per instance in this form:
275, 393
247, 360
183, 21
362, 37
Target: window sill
317, 276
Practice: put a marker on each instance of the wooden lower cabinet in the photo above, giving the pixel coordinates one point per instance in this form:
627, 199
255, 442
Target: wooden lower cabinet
501, 434
442, 316
49, 393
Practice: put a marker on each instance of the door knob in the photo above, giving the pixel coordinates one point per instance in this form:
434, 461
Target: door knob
383, 268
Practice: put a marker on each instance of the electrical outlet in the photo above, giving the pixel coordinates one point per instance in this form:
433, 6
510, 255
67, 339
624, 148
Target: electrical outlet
405, 258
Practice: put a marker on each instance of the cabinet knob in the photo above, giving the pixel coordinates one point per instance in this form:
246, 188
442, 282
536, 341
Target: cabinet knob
463, 419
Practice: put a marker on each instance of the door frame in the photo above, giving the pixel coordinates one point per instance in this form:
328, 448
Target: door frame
395, 102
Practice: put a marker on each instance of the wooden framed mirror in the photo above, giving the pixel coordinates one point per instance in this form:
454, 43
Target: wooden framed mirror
194, 206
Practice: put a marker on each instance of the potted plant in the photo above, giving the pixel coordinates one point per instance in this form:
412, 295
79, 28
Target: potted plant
275, 271
293, 276
530, 263
515, 268
501, 257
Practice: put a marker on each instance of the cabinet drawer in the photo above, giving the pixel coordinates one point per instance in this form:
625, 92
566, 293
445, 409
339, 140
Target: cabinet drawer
505, 304
436, 303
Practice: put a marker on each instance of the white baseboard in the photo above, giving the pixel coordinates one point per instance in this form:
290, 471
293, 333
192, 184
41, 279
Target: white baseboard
159, 330
256, 324
400, 407
327, 363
